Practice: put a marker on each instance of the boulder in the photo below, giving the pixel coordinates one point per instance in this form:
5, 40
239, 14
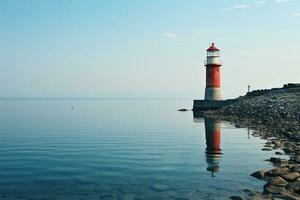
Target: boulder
279, 160
278, 171
288, 150
294, 186
277, 181
296, 168
274, 189
296, 158
259, 174
290, 176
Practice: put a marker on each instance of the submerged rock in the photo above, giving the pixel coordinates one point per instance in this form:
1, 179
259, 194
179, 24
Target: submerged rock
183, 110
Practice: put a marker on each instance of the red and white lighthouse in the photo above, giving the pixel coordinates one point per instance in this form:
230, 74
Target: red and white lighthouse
213, 78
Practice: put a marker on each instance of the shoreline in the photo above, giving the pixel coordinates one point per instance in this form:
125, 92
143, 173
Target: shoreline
273, 115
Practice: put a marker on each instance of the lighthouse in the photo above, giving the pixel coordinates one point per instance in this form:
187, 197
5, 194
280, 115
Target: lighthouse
212, 99
213, 78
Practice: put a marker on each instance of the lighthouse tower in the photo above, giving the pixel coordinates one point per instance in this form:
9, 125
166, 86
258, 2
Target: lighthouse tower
213, 80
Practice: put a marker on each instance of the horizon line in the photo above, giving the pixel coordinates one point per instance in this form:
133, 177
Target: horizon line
92, 98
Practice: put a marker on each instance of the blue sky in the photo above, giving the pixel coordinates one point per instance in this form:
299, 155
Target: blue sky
145, 48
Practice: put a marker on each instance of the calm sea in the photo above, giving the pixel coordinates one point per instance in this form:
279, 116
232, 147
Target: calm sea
122, 149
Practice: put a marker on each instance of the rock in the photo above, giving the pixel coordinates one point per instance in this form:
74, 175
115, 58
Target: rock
250, 192
290, 176
268, 145
277, 181
278, 171
278, 160
160, 187
277, 144
296, 168
297, 152
296, 158
274, 189
266, 149
183, 110
236, 198
290, 166
288, 150
294, 186
259, 174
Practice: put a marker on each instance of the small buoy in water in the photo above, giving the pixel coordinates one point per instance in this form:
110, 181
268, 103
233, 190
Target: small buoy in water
183, 110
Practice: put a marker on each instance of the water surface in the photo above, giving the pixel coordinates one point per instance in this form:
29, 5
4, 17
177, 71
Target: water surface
122, 149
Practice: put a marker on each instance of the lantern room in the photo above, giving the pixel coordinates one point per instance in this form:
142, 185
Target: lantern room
213, 56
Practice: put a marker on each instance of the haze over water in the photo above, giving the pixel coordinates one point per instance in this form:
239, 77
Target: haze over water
120, 149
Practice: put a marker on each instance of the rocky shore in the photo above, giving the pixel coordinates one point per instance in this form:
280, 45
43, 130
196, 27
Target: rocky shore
274, 115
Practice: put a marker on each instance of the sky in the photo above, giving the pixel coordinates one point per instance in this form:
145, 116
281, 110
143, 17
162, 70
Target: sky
145, 48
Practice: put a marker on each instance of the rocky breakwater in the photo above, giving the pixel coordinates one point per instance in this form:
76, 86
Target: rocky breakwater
274, 115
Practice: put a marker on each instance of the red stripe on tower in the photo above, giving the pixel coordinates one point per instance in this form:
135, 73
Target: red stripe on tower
213, 77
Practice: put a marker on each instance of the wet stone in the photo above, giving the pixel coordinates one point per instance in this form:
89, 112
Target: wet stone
266, 149
278, 160
259, 174
294, 186
288, 150
296, 168
290, 176
274, 189
277, 181
268, 145
278, 171
296, 158
183, 110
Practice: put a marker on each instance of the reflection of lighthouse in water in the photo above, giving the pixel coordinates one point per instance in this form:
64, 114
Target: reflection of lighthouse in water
213, 144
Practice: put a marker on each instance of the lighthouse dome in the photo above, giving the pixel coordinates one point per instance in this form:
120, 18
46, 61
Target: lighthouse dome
213, 48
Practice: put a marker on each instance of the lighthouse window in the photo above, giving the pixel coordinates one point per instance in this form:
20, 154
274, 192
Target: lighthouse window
213, 53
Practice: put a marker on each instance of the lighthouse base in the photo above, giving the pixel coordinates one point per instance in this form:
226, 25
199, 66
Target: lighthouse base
204, 105
213, 94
